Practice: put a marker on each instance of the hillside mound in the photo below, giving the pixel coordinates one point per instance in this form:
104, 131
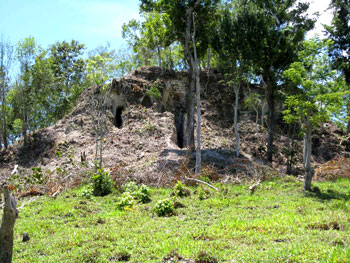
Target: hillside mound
142, 142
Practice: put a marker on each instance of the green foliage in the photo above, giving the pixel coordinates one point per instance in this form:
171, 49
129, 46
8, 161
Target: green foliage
140, 193
154, 92
125, 201
180, 190
318, 96
102, 183
203, 193
130, 187
86, 191
37, 175
164, 207
68, 68
338, 32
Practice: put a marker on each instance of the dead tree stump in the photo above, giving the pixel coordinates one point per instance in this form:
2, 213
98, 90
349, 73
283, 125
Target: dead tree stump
7, 225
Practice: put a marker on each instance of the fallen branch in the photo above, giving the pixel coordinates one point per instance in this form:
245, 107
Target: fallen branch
202, 182
254, 186
29, 201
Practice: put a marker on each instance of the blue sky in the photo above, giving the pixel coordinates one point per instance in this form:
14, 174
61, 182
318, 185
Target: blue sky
92, 22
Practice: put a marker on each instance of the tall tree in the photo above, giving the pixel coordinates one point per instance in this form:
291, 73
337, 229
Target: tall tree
68, 67
6, 58
339, 32
181, 15
42, 92
98, 73
270, 32
26, 51
316, 98
149, 36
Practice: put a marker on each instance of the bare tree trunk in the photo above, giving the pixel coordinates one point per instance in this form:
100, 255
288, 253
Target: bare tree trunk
307, 157
189, 132
101, 149
271, 104
348, 115
159, 57
198, 95
209, 56
257, 118
235, 122
7, 226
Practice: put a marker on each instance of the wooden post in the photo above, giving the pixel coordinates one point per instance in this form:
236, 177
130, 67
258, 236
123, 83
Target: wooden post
7, 225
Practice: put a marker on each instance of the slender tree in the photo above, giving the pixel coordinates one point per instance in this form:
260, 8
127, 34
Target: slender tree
68, 67
6, 58
316, 98
181, 15
26, 51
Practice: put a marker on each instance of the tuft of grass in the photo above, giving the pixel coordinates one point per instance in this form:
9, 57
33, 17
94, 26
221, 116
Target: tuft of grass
279, 223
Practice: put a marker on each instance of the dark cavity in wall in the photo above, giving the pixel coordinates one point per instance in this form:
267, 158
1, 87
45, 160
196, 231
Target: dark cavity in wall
118, 120
179, 125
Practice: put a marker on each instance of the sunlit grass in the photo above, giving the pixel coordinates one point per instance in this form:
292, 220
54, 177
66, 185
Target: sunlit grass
278, 223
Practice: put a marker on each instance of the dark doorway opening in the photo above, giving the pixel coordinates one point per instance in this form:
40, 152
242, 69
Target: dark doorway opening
179, 125
118, 120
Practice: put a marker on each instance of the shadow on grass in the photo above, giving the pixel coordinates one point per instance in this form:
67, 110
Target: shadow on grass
328, 195
221, 159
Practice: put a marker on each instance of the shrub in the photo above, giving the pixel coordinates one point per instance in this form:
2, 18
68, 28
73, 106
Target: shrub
102, 183
37, 176
130, 187
203, 194
140, 193
164, 207
126, 200
86, 191
180, 190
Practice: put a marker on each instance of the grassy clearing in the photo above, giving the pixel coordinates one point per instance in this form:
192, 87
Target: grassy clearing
278, 223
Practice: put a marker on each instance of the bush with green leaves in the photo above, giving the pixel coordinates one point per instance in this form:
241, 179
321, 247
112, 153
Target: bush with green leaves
126, 200
164, 207
140, 193
37, 176
86, 191
101, 183
203, 194
180, 190
130, 187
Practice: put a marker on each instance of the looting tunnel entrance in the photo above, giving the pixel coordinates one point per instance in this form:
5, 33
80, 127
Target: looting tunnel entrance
118, 120
179, 126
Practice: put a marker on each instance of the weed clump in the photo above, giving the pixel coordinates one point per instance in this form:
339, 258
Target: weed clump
140, 193
180, 190
86, 191
102, 184
203, 194
126, 200
164, 207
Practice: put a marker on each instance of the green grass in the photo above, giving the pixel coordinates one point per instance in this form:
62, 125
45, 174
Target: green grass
278, 223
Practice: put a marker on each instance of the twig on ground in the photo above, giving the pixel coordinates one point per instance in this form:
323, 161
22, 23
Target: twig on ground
253, 187
29, 201
202, 182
